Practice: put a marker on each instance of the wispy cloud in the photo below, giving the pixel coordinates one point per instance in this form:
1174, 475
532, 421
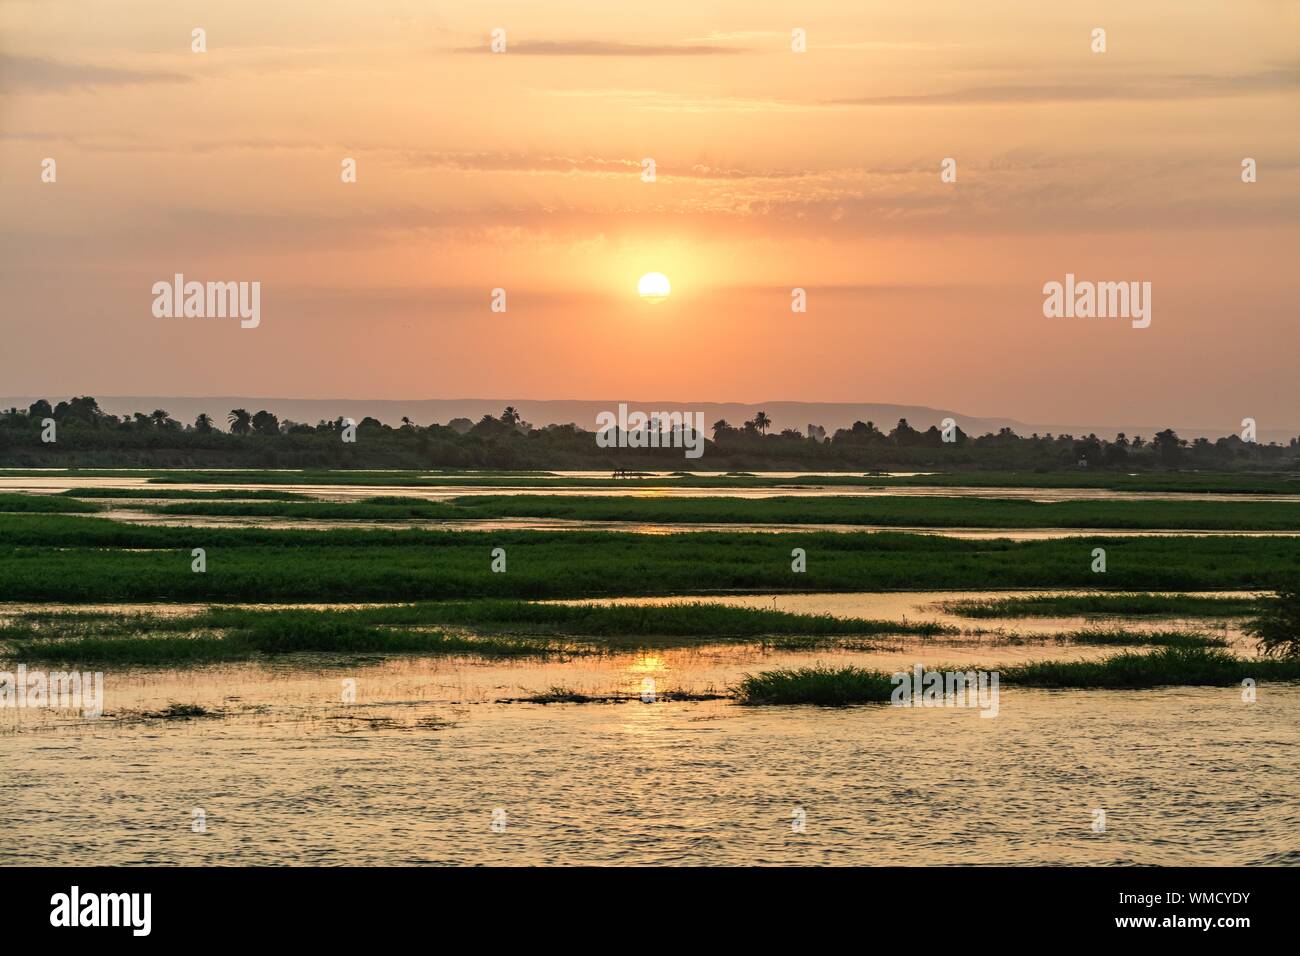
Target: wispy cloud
1109, 87
666, 102
607, 48
43, 75
486, 162
778, 41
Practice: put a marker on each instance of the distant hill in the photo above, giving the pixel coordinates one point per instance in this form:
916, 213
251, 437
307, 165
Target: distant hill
798, 415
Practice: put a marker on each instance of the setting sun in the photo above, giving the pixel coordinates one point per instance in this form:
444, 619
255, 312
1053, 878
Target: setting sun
654, 287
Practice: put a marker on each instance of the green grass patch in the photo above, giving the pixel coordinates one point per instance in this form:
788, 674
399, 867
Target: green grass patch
1118, 636
825, 686
1169, 666
1127, 605
690, 619
42, 504
882, 510
1224, 482
1189, 481
566, 695
85, 559
178, 711
270, 639
222, 633
155, 492
382, 508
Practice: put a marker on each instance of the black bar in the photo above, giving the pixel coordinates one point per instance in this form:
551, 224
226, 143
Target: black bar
652, 907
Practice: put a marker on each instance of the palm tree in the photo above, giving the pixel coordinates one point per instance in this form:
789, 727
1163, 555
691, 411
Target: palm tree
1168, 446
762, 422
721, 425
265, 423
511, 416
241, 422
159, 417
203, 423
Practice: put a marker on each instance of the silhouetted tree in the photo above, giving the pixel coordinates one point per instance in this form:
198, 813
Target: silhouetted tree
82, 409
241, 422
1276, 625
1168, 447
904, 434
264, 423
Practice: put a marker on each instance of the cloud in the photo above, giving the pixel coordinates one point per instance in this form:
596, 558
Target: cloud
43, 75
1116, 87
607, 48
667, 102
505, 162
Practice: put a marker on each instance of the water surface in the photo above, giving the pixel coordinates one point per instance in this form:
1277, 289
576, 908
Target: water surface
412, 772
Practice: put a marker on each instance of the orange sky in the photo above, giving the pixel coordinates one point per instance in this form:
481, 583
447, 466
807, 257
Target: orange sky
522, 170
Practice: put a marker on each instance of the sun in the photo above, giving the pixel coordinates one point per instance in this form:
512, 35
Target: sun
654, 287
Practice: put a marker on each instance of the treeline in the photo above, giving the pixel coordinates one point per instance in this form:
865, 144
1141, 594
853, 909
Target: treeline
78, 433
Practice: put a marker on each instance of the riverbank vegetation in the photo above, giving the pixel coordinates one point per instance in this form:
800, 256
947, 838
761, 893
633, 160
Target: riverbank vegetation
1125, 671
1159, 481
1127, 605
89, 437
483, 628
1276, 624
931, 511
84, 559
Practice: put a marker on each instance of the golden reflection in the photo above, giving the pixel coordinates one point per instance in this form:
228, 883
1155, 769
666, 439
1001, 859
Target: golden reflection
646, 664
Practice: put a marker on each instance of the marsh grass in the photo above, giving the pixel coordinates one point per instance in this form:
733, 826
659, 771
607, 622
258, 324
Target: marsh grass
688, 619
43, 504
1169, 666
1126, 605
822, 685
1221, 483
372, 509
884, 510
79, 558
177, 711
36, 625
565, 695
1118, 636
277, 634
1182, 666
1276, 624
492, 629
155, 492
131, 651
